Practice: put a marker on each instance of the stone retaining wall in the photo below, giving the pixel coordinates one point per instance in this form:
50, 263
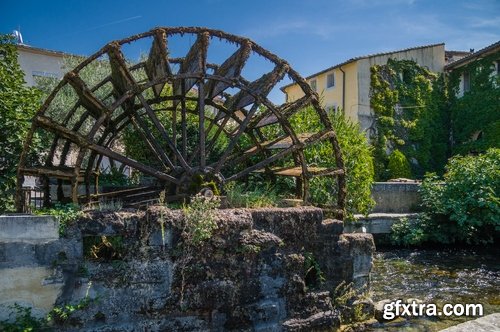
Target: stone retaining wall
254, 273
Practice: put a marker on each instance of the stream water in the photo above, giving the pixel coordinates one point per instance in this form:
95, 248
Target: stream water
436, 276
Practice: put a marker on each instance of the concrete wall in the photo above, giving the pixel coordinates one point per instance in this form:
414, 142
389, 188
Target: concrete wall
396, 197
30, 249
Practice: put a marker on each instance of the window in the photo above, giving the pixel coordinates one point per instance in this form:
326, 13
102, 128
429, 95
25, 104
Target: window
314, 85
331, 108
466, 78
43, 74
330, 80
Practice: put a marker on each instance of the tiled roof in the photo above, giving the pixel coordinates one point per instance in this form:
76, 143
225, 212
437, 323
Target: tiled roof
363, 57
495, 47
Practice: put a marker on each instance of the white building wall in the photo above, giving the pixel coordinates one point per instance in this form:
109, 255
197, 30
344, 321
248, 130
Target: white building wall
34, 63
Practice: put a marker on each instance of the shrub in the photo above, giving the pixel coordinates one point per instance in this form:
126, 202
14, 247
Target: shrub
357, 156
464, 206
64, 213
398, 165
18, 104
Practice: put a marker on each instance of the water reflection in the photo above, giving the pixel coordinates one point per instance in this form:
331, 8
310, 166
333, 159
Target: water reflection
437, 276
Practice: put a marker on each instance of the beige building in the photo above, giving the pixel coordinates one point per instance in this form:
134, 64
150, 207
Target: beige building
39, 62
347, 85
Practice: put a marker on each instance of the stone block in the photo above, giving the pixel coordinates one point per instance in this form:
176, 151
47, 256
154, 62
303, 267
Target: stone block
28, 228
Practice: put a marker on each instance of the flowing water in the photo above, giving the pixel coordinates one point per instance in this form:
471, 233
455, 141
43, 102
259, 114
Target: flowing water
436, 276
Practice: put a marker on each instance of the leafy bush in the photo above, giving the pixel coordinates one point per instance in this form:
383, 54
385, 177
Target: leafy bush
398, 165
200, 219
64, 213
464, 206
18, 104
357, 156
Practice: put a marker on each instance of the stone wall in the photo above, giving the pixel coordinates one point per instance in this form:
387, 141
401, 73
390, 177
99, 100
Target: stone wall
396, 197
254, 273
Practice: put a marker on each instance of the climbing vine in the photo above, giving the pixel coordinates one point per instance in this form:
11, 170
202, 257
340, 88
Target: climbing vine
475, 114
409, 106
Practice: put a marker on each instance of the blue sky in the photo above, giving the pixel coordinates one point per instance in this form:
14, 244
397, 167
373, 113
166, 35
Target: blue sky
310, 34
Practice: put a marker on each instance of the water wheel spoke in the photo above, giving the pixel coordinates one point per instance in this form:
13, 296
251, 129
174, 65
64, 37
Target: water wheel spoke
201, 122
267, 117
48, 124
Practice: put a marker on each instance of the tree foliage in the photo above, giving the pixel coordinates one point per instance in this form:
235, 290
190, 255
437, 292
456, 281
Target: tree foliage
476, 114
18, 104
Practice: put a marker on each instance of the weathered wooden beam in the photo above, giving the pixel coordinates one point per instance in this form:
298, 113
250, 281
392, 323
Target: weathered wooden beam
296, 171
230, 69
194, 63
121, 78
65, 173
260, 87
86, 97
309, 141
157, 65
267, 117
161, 129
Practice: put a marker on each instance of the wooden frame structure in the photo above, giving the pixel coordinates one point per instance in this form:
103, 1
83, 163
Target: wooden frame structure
226, 103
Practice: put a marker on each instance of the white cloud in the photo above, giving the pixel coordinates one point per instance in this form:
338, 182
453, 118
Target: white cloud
480, 22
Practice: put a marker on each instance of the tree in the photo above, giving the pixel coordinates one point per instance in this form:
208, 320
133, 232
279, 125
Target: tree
18, 104
357, 155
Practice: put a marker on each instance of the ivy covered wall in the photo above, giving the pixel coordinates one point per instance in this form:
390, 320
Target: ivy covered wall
475, 116
409, 103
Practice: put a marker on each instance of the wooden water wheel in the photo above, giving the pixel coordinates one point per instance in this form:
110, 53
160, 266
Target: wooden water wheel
199, 120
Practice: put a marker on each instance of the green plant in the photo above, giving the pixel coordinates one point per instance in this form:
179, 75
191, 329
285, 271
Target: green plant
23, 321
342, 294
241, 195
406, 232
161, 201
114, 177
103, 248
61, 314
199, 219
358, 161
475, 115
398, 166
469, 198
313, 276
18, 104
463, 206
64, 213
